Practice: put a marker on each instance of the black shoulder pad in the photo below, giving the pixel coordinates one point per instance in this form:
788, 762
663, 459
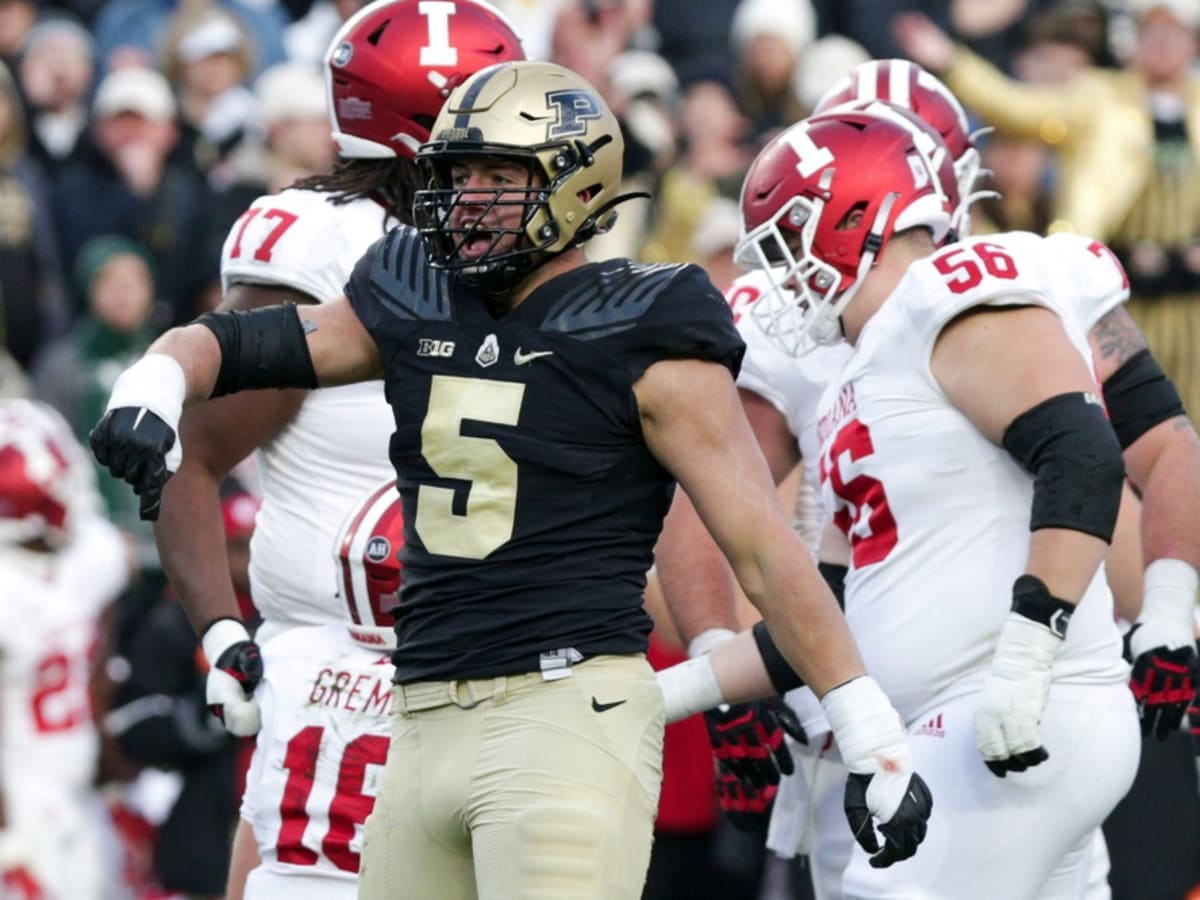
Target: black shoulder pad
395, 275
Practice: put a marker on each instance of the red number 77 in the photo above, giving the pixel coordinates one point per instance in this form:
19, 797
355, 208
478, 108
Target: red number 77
263, 253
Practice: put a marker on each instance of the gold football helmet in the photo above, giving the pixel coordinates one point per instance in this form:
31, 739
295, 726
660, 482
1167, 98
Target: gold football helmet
552, 122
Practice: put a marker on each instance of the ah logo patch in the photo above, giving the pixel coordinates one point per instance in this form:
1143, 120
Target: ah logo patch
378, 549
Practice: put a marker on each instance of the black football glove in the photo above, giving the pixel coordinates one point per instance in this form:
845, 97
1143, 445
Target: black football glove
903, 832
752, 755
747, 740
1163, 682
746, 808
135, 445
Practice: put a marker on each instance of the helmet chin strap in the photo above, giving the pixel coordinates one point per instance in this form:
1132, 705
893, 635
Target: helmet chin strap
829, 329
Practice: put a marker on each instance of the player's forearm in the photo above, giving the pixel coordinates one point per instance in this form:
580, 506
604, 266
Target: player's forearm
1065, 560
1170, 487
696, 581
191, 544
805, 621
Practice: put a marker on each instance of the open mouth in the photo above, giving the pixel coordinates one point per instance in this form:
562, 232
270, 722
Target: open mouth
476, 243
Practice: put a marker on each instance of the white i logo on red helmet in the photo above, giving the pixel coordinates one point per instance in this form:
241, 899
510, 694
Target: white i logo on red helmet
439, 51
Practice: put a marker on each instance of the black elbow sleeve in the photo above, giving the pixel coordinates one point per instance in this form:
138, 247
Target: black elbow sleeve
261, 348
1139, 395
1071, 450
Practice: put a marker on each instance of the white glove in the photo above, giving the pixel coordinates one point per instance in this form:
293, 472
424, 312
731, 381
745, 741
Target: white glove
882, 784
235, 670
1014, 695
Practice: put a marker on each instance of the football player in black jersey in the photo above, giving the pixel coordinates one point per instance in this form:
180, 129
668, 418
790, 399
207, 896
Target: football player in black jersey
545, 406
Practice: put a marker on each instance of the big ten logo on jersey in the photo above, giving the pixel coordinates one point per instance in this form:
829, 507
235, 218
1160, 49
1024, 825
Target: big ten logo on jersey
434, 347
573, 109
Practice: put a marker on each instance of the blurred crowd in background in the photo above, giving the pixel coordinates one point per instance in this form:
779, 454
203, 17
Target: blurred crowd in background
133, 133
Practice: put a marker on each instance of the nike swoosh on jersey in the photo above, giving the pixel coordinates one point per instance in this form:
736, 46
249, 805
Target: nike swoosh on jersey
521, 358
605, 707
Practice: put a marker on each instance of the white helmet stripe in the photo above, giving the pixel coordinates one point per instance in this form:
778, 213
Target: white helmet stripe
868, 78
899, 83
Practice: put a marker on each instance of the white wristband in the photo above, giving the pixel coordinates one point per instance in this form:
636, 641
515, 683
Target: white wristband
220, 636
706, 640
689, 687
155, 382
1169, 590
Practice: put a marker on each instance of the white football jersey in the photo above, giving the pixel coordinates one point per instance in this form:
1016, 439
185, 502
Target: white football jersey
335, 450
314, 778
793, 385
937, 515
52, 605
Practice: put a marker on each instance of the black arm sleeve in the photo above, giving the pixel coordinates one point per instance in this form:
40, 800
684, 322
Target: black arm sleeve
1073, 454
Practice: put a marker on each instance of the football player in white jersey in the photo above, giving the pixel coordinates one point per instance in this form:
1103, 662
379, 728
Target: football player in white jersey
943, 443
779, 393
61, 565
326, 699
388, 70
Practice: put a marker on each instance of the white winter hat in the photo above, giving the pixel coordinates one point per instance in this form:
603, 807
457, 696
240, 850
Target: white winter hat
791, 20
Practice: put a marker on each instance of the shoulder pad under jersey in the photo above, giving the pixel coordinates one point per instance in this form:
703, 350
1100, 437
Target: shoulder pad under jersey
989, 270
299, 239
394, 281
1093, 276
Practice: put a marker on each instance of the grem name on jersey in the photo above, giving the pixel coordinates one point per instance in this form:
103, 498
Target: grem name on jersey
433, 347
354, 692
845, 406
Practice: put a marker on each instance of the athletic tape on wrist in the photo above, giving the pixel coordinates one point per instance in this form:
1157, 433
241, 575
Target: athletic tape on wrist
689, 687
220, 636
865, 724
1169, 589
156, 382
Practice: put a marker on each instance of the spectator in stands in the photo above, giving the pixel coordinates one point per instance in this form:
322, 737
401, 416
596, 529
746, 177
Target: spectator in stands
55, 74
715, 155
209, 57
33, 302
769, 39
130, 184
130, 32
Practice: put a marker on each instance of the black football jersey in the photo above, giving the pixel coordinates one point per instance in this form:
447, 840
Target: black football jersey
531, 501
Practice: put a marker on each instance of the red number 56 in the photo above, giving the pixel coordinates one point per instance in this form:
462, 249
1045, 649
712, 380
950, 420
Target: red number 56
963, 272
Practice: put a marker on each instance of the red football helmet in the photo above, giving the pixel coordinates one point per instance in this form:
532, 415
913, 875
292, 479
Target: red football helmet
46, 479
368, 566
911, 87
799, 203
394, 62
